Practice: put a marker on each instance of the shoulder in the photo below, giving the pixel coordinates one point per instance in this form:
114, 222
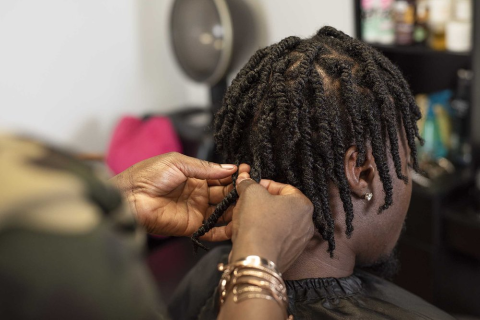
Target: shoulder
378, 288
359, 296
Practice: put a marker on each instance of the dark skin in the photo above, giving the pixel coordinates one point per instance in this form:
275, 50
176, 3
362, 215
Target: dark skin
264, 213
374, 236
172, 194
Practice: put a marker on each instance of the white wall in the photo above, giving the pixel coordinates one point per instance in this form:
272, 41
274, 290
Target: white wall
69, 69
303, 17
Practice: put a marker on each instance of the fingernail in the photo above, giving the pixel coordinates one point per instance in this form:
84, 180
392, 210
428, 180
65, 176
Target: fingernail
241, 178
228, 166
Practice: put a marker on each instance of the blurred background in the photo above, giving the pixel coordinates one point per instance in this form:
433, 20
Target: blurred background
70, 69
117, 81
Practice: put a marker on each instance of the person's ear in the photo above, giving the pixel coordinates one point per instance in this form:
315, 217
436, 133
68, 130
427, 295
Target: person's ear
359, 178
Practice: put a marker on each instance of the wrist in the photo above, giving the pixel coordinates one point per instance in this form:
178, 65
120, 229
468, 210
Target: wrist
248, 246
123, 183
253, 279
120, 181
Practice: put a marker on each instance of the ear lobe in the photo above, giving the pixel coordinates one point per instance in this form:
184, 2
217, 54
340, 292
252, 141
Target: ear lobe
360, 178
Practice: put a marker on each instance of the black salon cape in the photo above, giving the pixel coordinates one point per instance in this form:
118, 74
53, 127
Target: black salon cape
359, 296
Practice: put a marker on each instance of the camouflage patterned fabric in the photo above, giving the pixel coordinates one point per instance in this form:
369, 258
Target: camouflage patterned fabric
69, 248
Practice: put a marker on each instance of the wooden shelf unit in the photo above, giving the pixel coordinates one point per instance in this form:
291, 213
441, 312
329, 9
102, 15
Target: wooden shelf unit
431, 268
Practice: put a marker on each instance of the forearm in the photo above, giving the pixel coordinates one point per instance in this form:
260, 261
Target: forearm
252, 309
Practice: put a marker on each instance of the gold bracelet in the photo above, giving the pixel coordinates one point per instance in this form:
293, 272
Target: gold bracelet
252, 277
259, 273
258, 261
279, 296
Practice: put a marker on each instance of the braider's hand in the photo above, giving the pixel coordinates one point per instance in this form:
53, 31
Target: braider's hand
170, 194
271, 220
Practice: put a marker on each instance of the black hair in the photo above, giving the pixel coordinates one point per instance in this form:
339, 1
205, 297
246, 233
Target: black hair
298, 105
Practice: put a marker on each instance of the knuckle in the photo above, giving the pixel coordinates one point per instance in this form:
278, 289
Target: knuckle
172, 155
304, 202
171, 158
207, 163
309, 206
210, 164
250, 188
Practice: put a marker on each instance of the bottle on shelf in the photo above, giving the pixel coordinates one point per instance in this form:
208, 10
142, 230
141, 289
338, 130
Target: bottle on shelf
386, 34
377, 21
461, 105
435, 126
439, 15
421, 31
404, 12
459, 28
433, 148
369, 21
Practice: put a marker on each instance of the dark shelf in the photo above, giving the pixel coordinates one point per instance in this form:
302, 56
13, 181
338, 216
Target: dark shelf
439, 250
417, 50
427, 70
446, 184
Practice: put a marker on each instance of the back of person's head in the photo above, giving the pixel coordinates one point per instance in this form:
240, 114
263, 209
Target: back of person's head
298, 105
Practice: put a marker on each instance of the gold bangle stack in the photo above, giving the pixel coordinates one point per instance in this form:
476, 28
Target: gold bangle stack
252, 278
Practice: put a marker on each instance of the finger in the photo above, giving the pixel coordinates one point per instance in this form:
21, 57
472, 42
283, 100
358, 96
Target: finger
220, 182
244, 168
225, 218
277, 188
218, 234
242, 176
200, 169
244, 184
228, 215
217, 193
209, 211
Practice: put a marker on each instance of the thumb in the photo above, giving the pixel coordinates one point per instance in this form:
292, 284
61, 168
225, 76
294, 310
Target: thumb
200, 169
243, 184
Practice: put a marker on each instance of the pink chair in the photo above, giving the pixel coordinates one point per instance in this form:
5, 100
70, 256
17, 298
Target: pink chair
135, 139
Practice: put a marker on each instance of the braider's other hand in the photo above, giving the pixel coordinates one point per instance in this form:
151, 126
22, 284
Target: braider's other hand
172, 194
272, 220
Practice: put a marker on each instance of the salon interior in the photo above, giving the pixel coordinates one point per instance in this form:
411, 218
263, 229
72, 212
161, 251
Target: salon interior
118, 81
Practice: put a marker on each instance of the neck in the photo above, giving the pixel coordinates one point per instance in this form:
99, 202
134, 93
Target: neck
315, 262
